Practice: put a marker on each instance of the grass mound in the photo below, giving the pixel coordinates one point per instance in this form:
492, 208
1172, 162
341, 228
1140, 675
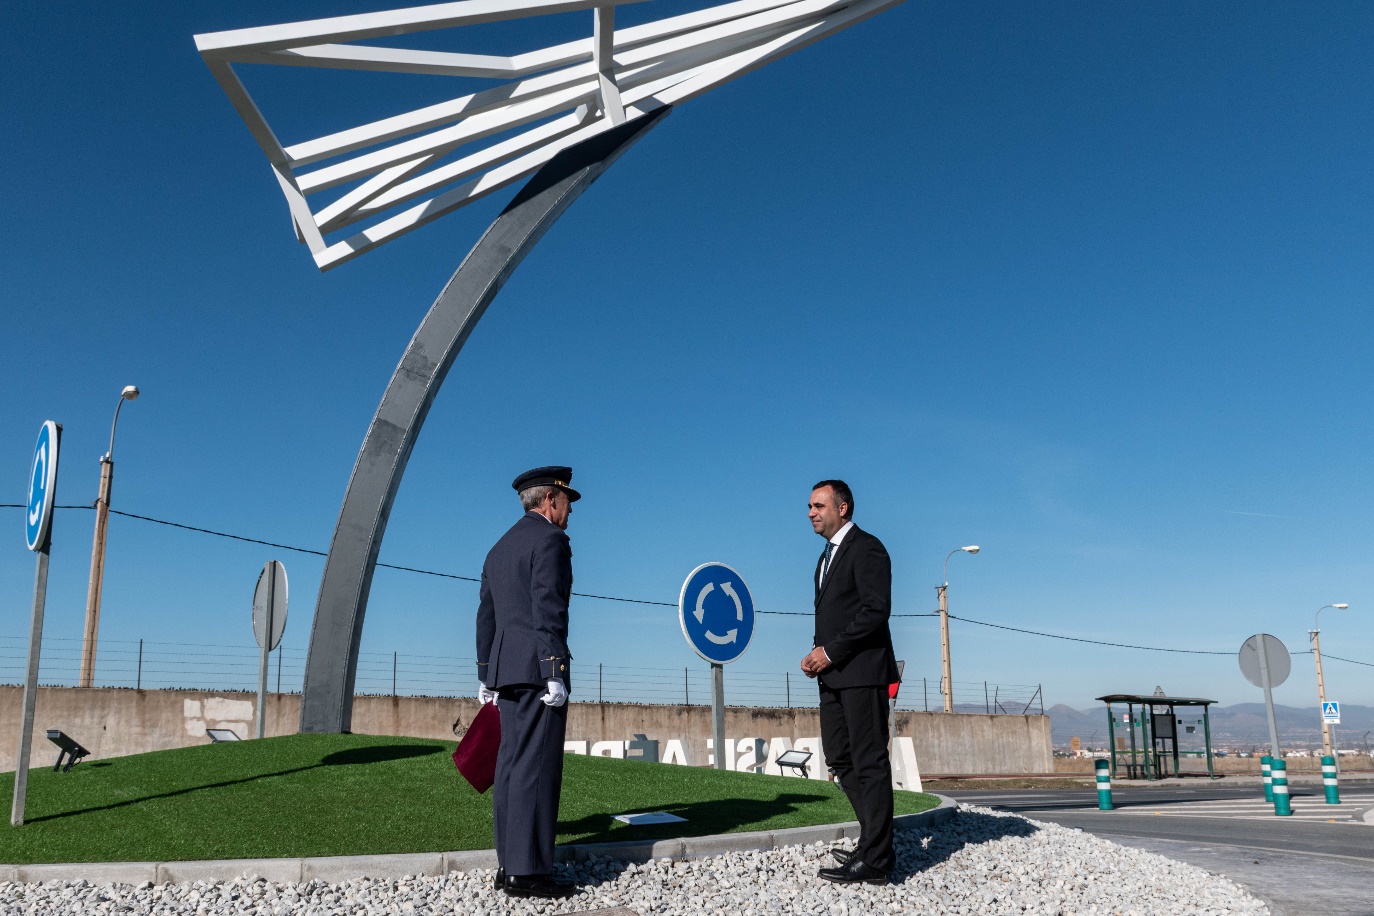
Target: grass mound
327, 795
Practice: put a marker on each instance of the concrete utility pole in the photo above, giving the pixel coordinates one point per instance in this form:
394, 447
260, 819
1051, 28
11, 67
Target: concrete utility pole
1327, 743
946, 677
102, 521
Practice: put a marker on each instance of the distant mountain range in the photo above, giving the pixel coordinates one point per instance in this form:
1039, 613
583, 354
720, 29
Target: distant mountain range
1241, 726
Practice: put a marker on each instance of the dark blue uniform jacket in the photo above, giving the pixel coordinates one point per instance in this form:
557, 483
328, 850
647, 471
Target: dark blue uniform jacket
522, 620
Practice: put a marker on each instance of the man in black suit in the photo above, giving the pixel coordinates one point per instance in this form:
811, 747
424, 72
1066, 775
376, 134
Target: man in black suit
854, 663
522, 663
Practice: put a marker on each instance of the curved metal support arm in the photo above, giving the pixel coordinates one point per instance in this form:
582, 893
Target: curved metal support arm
332, 663
1316, 620
110, 454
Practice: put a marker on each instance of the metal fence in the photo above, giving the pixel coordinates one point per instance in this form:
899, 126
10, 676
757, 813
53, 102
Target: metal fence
162, 665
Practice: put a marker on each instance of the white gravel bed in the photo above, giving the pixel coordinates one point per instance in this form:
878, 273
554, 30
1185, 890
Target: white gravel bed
980, 862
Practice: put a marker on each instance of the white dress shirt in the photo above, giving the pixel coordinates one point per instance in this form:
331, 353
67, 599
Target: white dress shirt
835, 539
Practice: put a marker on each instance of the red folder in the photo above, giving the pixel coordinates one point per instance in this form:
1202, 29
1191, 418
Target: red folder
475, 757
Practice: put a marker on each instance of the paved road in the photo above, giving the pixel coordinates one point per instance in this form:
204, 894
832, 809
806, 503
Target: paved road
1319, 862
1213, 814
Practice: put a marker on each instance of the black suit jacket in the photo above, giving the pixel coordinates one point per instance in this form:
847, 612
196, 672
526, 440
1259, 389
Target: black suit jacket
853, 605
522, 617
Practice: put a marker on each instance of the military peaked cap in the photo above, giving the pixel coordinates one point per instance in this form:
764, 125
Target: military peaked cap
550, 476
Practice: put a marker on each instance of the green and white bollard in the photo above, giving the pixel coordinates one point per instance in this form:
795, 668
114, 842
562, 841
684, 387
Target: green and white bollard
1266, 776
1104, 785
1333, 791
1282, 806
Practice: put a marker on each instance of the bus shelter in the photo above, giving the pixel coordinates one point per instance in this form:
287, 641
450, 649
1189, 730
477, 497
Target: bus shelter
1157, 722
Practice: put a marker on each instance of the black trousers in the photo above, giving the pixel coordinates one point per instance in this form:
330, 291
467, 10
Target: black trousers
854, 738
529, 778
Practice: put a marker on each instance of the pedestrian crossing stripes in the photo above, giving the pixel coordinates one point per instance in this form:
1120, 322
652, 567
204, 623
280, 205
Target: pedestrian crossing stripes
1308, 804
1306, 808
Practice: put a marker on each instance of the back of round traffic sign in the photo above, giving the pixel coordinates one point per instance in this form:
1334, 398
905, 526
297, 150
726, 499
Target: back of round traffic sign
1280, 662
716, 612
269, 602
42, 486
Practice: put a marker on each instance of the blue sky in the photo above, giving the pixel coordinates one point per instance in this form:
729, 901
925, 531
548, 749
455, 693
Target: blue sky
1086, 284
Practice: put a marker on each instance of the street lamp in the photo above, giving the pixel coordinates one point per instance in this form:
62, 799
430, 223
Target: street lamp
1315, 636
102, 520
946, 678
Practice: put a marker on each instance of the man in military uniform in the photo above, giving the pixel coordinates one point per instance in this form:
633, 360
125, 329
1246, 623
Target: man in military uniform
523, 664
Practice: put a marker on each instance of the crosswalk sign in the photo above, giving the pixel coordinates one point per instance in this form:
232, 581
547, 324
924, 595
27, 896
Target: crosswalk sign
1331, 712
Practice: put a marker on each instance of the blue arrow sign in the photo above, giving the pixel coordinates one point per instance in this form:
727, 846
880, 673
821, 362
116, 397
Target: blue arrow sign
1331, 712
42, 486
716, 612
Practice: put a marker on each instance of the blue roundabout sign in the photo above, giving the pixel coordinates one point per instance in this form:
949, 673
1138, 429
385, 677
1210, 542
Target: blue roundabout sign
716, 612
42, 487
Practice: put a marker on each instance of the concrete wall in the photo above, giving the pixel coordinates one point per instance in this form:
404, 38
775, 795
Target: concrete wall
964, 744
113, 723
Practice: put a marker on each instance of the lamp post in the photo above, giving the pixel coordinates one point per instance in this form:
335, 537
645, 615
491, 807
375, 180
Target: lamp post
102, 520
1321, 684
946, 678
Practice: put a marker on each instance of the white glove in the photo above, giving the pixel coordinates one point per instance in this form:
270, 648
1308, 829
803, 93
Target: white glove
557, 695
485, 694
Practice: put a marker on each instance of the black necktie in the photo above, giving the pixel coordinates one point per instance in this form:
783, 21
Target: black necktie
825, 564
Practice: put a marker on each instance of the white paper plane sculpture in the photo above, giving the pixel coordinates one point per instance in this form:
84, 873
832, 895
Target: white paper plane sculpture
396, 174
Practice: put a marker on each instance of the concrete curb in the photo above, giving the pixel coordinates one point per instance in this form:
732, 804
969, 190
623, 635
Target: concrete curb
430, 864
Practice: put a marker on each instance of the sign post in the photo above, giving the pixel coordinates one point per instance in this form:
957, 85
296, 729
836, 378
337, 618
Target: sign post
717, 616
269, 621
38, 537
1265, 662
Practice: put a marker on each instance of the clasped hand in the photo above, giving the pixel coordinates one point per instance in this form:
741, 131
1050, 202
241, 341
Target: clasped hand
815, 662
556, 695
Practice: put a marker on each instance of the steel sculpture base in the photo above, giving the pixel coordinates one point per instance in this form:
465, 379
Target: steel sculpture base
332, 664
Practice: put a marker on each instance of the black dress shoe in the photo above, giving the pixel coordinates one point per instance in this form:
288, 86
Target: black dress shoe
841, 855
853, 872
538, 886
499, 881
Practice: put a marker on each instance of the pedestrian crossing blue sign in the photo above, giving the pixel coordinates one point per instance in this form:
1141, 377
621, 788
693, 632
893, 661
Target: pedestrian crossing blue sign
1331, 713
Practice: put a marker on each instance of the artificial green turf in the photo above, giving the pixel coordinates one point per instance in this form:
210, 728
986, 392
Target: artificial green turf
326, 795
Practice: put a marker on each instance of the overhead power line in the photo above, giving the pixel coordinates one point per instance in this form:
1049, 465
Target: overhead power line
412, 569
445, 575
1339, 659
1096, 642
321, 553
232, 537
1120, 645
